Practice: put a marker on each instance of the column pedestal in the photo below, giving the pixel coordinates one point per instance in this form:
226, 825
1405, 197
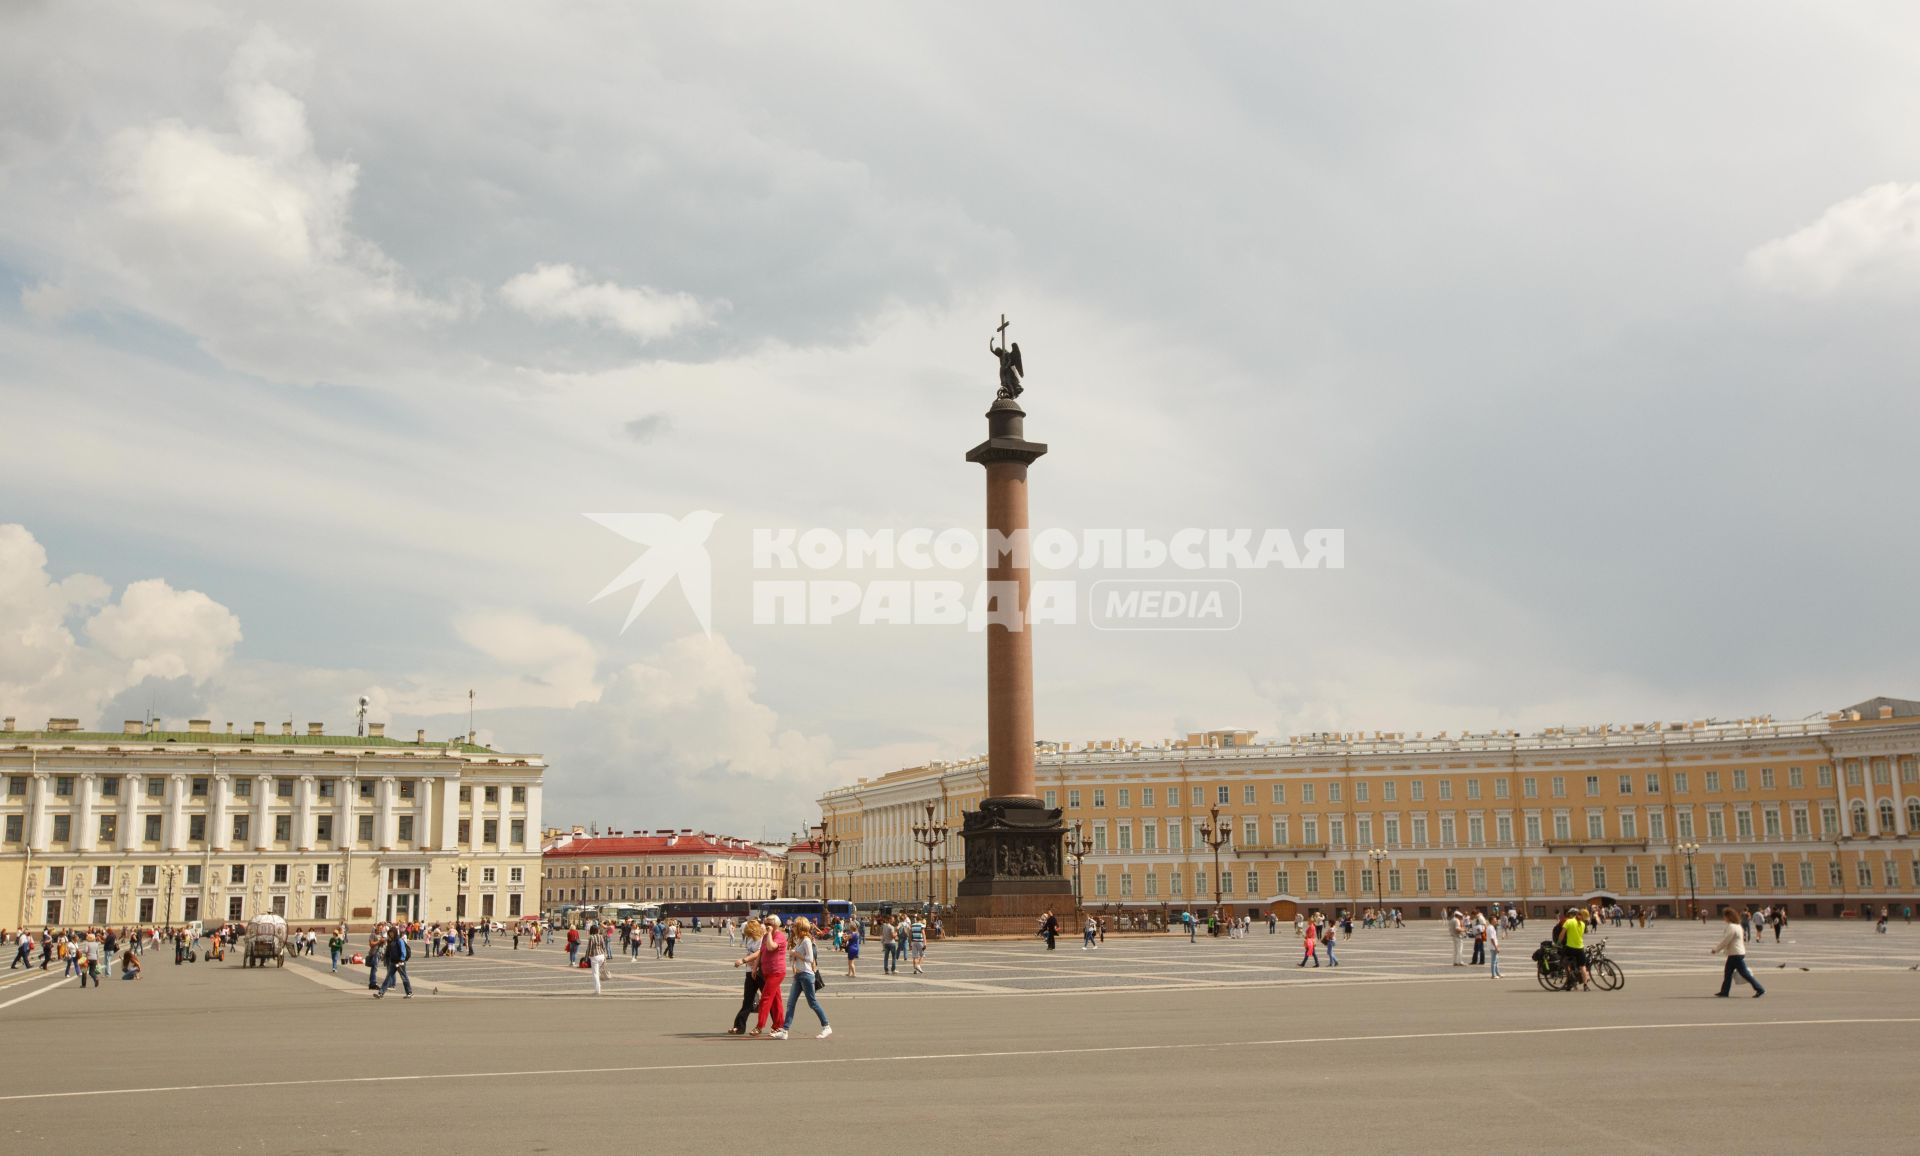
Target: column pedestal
1013, 868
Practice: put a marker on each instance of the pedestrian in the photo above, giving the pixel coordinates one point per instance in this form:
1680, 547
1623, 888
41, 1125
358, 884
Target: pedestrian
573, 946
1050, 929
1493, 950
852, 946
23, 952
336, 943
398, 951
889, 947
917, 944
750, 934
1327, 937
1881, 926
773, 971
1479, 932
1456, 927
806, 978
672, 935
596, 954
1733, 942
1310, 942
1087, 933
376, 948
87, 959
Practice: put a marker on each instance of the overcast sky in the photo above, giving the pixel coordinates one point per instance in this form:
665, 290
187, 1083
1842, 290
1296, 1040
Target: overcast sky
322, 326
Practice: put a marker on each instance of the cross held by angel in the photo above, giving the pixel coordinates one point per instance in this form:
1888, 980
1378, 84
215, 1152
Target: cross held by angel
1011, 370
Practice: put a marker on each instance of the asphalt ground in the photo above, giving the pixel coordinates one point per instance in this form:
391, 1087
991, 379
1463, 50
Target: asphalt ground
1147, 1045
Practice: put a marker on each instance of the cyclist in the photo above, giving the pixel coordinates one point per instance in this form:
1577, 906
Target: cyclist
1571, 935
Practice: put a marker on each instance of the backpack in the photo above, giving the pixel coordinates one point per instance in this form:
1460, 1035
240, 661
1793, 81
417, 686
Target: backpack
406, 949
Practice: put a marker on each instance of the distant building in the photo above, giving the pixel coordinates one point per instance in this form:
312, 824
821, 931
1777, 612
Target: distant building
658, 867
803, 873
1822, 814
154, 827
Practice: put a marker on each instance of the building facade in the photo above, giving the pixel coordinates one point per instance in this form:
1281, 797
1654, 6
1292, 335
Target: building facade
682, 866
1822, 814
156, 827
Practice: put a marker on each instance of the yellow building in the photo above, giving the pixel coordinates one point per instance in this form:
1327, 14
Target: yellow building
1823, 814
156, 827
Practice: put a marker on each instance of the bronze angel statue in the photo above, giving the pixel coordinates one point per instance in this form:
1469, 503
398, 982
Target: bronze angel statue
1011, 370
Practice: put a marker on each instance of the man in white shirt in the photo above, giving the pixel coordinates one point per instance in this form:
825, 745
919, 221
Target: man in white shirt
1456, 927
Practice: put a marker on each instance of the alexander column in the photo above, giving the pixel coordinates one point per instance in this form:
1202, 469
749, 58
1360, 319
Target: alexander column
1013, 841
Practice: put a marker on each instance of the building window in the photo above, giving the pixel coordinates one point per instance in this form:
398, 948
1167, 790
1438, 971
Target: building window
16, 786
241, 825
196, 828
63, 786
1529, 787
1796, 777
1420, 879
1146, 796
406, 828
156, 787
1451, 878
493, 794
283, 788
279, 874
363, 829
518, 838
366, 788
1099, 797
1333, 792
516, 875
1599, 877
1280, 792
1473, 788
242, 788
466, 830
1220, 795
326, 788
406, 788
283, 828
1446, 790
1306, 792
1559, 786
490, 832
16, 828
1313, 881
1073, 798
1053, 799
323, 828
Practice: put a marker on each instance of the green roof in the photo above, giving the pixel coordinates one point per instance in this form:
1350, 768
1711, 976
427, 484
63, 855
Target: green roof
198, 738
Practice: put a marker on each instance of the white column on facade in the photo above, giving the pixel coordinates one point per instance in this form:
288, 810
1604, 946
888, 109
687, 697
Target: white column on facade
262, 813
176, 824
218, 827
303, 794
83, 833
1873, 796
533, 817
346, 791
132, 789
383, 823
1899, 795
446, 796
39, 824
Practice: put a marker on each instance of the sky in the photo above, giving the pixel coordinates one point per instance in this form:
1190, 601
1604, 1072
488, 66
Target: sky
322, 328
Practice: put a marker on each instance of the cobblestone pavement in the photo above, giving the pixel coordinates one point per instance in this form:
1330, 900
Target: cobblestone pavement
703, 965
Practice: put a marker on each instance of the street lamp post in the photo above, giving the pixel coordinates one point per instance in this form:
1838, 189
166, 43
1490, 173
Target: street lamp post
1078, 847
828, 845
1216, 835
930, 835
172, 872
1693, 896
1379, 857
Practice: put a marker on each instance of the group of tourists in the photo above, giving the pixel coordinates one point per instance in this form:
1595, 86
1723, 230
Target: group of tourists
769, 951
90, 954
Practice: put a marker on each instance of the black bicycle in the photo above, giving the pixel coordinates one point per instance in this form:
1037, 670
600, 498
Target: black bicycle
1553, 973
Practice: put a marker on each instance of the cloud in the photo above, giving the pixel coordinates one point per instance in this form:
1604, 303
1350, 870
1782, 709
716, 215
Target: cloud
153, 632
161, 632
557, 293
645, 429
1870, 241
551, 665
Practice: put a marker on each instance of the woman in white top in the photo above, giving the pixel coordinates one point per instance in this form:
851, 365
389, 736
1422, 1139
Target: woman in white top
806, 977
1733, 941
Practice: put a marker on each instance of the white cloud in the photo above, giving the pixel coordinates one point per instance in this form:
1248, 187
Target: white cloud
161, 632
550, 665
557, 293
1870, 241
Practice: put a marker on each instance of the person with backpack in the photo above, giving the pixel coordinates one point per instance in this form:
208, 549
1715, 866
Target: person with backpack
1327, 937
398, 951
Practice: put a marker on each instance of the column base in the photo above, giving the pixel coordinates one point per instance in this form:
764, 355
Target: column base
1013, 868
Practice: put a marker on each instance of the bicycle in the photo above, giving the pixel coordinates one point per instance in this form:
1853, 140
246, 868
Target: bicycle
1553, 974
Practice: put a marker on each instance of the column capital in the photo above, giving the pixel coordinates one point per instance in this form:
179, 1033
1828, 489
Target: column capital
309, 778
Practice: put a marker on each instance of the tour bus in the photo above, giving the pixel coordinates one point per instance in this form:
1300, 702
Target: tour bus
821, 915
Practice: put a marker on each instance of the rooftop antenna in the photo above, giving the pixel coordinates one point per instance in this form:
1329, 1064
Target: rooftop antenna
362, 731
469, 712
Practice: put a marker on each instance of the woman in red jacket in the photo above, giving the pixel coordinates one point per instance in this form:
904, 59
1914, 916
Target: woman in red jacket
773, 970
